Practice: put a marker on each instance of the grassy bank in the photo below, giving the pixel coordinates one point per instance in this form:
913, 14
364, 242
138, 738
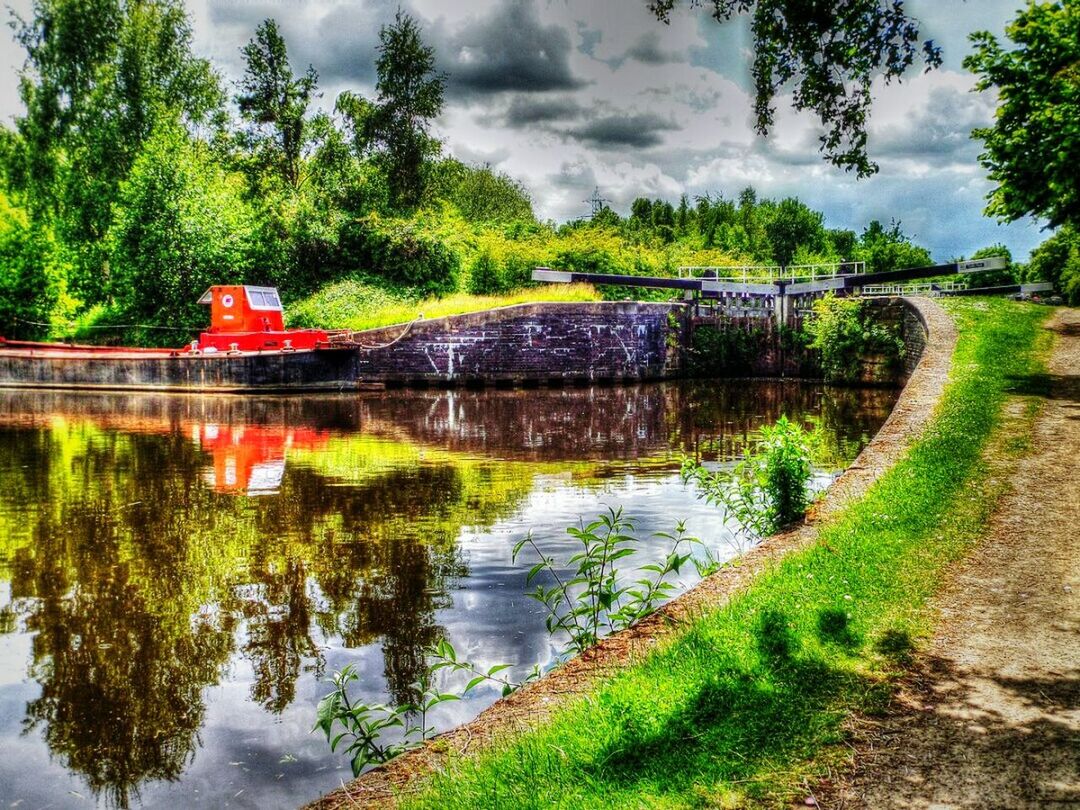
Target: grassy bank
747, 704
355, 304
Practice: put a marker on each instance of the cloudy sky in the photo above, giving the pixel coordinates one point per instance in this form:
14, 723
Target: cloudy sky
568, 95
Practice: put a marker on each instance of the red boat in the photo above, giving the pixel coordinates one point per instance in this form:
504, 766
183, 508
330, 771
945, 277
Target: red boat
246, 349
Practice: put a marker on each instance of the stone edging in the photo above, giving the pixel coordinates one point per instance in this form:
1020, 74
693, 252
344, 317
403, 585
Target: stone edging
534, 703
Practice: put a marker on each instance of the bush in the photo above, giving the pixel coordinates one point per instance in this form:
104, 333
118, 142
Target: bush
843, 331
485, 277
399, 253
768, 490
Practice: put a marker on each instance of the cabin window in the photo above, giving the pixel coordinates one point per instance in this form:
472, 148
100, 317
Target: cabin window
263, 298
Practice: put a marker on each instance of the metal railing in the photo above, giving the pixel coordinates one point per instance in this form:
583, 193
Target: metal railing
899, 290
794, 272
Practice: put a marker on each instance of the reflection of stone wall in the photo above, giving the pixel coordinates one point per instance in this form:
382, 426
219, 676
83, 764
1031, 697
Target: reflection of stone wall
528, 343
574, 423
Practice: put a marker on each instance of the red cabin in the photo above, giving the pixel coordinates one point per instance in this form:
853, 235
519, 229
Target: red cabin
251, 319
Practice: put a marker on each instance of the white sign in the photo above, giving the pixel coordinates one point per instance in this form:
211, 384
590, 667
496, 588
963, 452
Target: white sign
981, 265
544, 274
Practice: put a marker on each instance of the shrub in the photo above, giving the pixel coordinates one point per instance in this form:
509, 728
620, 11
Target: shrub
485, 277
769, 489
843, 331
398, 252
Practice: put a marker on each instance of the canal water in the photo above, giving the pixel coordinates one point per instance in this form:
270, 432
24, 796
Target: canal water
179, 575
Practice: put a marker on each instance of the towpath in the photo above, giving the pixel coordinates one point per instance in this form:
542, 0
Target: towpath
991, 717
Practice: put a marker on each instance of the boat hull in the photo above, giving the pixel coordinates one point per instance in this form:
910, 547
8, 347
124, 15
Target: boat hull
78, 368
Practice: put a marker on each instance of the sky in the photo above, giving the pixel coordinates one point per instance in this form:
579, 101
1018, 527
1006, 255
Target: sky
572, 95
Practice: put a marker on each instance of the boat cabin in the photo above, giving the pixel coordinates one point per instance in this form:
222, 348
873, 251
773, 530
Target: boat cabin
248, 319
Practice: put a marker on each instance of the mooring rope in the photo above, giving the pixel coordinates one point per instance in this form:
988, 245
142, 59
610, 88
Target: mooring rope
113, 326
369, 347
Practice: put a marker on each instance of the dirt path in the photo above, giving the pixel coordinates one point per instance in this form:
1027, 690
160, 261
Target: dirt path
992, 717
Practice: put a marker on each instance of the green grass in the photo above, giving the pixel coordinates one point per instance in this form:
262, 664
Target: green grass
746, 705
355, 304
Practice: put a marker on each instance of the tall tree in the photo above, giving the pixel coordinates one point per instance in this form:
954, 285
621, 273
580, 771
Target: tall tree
99, 75
275, 104
409, 94
1033, 147
791, 226
830, 54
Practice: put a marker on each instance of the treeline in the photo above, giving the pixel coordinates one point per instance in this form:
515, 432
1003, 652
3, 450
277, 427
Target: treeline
136, 178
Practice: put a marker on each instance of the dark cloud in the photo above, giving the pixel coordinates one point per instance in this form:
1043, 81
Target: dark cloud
527, 111
509, 50
648, 50
639, 131
341, 44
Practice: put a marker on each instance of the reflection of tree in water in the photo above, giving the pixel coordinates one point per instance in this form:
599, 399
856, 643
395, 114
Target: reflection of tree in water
136, 574
390, 567
120, 659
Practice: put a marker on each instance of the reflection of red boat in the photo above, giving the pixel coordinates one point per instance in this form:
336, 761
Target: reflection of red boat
250, 459
247, 348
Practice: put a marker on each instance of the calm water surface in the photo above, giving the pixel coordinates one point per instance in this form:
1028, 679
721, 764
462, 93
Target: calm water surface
178, 574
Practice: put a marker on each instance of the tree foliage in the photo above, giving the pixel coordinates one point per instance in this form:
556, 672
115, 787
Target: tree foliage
1033, 147
1058, 260
410, 94
98, 76
183, 227
275, 103
829, 55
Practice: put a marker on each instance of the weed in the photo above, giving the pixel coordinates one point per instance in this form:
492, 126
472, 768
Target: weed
594, 600
767, 490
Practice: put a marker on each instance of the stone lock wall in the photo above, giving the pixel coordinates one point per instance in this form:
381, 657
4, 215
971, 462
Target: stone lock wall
530, 343
557, 343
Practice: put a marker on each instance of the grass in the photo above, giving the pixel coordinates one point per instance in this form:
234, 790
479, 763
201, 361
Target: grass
355, 304
747, 704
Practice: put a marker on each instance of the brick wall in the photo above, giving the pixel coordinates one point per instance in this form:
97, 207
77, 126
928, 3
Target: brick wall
603, 341
528, 343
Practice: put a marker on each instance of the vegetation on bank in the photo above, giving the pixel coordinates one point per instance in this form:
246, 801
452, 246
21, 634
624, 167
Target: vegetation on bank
748, 702
356, 304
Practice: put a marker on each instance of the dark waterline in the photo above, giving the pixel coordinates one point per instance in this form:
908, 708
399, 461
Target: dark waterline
177, 574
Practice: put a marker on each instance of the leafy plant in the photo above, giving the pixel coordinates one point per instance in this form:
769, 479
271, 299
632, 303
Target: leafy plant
844, 331
364, 727
767, 490
594, 600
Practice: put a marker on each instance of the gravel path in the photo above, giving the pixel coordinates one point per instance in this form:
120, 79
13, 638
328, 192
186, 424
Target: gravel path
992, 717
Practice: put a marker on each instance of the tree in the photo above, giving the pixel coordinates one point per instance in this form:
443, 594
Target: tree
275, 103
481, 194
889, 249
1058, 260
409, 94
794, 225
994, 278
1033, 147
31, 281
831, 53
183, 226
99, 75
